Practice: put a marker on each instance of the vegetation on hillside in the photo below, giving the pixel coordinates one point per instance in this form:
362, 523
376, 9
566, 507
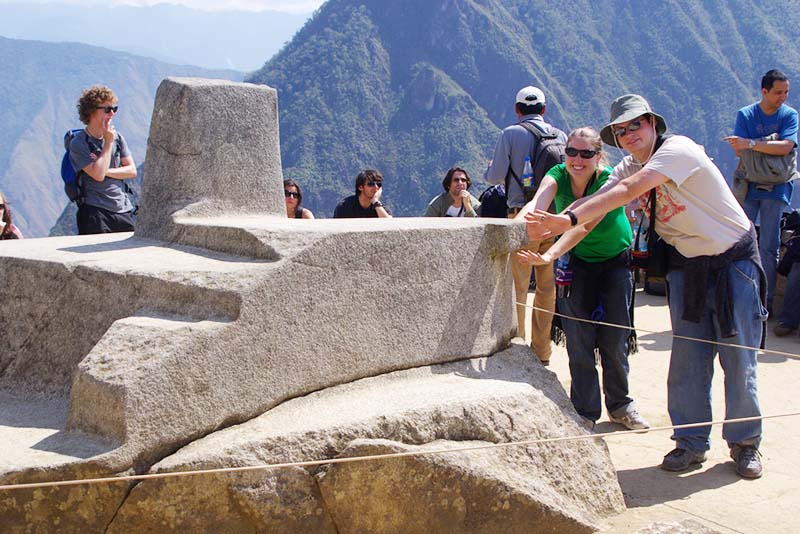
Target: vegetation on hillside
414, 87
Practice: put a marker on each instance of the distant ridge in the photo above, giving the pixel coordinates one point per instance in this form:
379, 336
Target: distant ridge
240, 40
414, 87
42, 83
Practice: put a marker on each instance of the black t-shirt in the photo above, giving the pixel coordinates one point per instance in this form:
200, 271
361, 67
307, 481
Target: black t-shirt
349, 208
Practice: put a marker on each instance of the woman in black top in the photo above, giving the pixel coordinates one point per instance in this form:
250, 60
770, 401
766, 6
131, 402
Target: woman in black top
294, 199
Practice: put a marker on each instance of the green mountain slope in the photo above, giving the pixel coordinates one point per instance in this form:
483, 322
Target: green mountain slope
414, 87
41, 86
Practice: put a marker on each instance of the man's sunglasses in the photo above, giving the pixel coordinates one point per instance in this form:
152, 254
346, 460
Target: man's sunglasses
289, 194
372, 183
108, 109
585, 154
632, 127
460, 180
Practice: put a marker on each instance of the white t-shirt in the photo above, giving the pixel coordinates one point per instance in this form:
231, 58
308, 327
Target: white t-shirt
695, 209
453, 211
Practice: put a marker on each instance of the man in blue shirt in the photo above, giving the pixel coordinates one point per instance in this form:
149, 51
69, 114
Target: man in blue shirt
753, 123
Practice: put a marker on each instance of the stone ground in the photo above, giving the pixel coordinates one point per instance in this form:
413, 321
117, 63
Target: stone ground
712, 495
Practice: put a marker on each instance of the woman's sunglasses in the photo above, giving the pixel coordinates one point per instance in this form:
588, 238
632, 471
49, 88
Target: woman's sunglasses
585, 154
289, 194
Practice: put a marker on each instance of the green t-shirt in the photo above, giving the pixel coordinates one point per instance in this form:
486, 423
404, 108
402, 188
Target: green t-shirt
611, 236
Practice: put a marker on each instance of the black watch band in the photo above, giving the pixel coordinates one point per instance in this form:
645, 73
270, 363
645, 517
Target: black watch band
377, 204
573, 219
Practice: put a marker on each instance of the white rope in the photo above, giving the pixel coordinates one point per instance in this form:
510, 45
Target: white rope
312, 463
662, 333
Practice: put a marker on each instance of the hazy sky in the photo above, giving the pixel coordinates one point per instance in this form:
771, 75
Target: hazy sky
288, 6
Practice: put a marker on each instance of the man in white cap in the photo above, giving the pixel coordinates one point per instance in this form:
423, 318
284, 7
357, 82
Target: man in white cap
717, 288
517, 142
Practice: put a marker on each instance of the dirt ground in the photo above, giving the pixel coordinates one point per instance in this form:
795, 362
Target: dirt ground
712, 495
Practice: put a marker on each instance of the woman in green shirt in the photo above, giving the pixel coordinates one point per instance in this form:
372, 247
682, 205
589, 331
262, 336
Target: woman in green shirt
601, 288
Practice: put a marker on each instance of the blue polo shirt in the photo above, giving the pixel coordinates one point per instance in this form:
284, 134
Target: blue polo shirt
753, 123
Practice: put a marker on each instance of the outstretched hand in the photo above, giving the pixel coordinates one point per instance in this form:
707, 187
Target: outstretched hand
541, 224
533, 258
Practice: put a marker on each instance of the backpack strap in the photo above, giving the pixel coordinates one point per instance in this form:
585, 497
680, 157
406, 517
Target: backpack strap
539, 134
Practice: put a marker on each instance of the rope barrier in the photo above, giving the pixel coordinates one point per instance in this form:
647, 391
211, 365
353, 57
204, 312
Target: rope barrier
662, 333
313, 463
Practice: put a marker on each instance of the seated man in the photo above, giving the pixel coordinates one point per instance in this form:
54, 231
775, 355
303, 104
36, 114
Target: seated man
456, 201
367, 200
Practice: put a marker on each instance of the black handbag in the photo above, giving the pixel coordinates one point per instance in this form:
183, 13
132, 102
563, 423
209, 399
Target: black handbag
654, 258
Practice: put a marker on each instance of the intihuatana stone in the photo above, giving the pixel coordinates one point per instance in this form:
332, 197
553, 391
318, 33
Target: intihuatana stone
557, 487
118, 350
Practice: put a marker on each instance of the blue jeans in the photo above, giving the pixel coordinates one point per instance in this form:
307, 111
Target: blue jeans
790, 313
769, 237
614, 288
691, 367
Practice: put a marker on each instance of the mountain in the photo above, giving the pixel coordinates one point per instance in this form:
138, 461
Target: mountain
41, 86
240, 40
414, 87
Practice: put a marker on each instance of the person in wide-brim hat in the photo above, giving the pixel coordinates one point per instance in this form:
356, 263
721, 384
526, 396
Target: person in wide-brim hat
627, 108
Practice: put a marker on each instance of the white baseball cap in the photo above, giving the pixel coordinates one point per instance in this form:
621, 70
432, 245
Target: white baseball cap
530, 96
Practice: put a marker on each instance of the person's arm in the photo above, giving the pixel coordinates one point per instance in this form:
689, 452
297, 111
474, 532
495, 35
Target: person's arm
378, 205
307, 214
98, 169
475, 206
498, 166
740, 139
466, 202
126, 171
773, 148
542, 224
564, 244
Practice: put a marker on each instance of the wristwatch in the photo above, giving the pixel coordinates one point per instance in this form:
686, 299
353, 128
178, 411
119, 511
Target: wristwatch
752, 144
377, 204
573, 219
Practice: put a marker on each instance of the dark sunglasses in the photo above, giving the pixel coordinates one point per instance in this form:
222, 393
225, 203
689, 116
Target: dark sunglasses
289, 194
585, 154
375, 184
2, 206
632, 127
108, 109
460, 180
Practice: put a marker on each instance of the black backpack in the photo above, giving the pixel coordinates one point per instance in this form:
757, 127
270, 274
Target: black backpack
493, 203
549, 152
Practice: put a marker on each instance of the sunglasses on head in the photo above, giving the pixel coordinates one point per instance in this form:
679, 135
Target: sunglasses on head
108, 109
373, 183
632, 127
289, 194
585, 154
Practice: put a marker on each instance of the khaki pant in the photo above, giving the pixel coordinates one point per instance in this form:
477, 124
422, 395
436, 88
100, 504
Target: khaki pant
544, 297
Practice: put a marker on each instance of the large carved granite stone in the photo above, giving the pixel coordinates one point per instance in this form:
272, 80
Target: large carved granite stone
565, 487
213, 150
119, 350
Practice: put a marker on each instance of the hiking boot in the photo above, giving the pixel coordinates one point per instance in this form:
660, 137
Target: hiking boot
748, 461
630, 420
782, 330
681, 459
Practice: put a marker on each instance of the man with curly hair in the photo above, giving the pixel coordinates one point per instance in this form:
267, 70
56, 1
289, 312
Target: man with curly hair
102, 161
